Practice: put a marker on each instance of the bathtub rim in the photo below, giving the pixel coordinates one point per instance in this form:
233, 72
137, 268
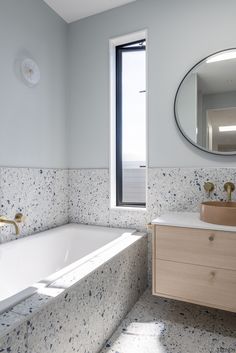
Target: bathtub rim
9, 303
14, 317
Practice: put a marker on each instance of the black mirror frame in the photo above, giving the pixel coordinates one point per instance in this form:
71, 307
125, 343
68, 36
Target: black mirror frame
176, 115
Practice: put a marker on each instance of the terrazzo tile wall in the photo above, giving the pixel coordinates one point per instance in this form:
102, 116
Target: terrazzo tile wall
52, 197
169, 189
40, 194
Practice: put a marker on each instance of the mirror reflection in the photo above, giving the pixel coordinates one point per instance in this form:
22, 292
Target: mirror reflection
205, 104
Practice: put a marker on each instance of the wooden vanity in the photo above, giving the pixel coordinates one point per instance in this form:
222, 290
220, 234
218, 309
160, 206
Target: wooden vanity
194, 261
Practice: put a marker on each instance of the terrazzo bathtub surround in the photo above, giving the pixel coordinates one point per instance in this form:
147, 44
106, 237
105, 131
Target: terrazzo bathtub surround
40, 194
158, 325
89, 304
15, 341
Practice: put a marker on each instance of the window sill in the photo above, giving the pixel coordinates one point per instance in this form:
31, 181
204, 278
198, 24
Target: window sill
125, 208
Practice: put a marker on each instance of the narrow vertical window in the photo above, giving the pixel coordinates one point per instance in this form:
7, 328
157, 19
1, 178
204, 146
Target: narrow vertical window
131, 124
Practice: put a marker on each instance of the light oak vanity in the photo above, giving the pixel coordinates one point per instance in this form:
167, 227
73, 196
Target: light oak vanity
194, 261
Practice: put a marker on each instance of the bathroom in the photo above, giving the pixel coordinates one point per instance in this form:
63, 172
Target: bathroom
99, 254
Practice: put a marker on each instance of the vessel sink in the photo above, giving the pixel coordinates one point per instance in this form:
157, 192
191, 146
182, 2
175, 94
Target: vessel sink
218, 212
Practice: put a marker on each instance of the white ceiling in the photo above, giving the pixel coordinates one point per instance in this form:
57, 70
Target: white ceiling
73, 10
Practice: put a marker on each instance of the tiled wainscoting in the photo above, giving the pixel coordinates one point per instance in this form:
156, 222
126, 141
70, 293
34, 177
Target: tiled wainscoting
169, 189
40, 194
52, 197
83, 316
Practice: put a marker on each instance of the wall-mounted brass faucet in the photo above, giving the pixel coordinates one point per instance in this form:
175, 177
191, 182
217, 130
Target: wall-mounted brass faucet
19, 218
209, 187
229, 188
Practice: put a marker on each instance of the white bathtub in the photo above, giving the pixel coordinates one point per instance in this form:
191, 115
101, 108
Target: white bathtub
31, 262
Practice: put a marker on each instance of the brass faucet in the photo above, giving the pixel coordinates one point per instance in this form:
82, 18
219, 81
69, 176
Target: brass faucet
209, 187
229, 188
18, 219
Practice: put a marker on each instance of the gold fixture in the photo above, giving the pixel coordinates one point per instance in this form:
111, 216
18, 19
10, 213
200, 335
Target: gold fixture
229, 188
209, 187
19, 218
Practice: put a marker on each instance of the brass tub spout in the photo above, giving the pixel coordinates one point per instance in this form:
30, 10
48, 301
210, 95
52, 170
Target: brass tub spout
18, 219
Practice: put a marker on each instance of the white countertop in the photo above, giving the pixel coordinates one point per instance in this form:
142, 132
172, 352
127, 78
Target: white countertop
188, 220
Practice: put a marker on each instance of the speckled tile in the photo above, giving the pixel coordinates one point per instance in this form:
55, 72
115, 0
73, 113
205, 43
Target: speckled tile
40, 194
8, 321
15, 341
82, 319
181, 189
31, 305
169, 189
52, 197
89, 196
126, 280
136, 219
89, 201
78, 319
158, 325
68, 324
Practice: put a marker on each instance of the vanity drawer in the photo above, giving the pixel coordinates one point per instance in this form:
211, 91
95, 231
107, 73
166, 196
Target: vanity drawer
195, 246
196, 284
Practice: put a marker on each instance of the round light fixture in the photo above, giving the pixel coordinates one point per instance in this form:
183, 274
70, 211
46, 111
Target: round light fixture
30, 72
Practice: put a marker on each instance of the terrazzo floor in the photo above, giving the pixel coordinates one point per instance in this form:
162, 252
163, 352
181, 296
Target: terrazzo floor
157, 325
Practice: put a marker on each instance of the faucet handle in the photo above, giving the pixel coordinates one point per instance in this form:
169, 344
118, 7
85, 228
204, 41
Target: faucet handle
229, 186
19, 218
209, 187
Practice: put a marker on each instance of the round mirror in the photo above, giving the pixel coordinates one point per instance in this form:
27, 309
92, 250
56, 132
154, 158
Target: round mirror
205, 104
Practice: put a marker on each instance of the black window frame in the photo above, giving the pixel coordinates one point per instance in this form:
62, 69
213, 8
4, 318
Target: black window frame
127, 47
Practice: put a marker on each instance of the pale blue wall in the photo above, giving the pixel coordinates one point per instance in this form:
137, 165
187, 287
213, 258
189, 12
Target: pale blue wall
180, 34
35, 122
32, 120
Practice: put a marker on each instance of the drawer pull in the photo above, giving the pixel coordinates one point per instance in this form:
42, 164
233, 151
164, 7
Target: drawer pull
212, 237
212, 275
